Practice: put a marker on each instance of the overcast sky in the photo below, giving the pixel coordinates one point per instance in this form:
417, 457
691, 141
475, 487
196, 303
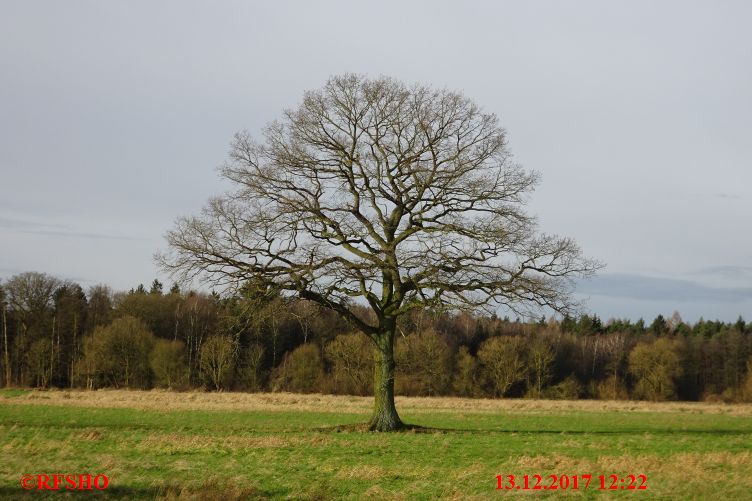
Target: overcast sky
638, 115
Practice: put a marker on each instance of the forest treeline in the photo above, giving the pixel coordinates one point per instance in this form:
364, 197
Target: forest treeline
56, 334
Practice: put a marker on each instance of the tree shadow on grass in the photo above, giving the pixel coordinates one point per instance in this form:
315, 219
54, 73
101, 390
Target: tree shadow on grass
211, 490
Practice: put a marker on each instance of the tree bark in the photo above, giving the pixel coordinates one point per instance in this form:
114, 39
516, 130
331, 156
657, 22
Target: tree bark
385, 417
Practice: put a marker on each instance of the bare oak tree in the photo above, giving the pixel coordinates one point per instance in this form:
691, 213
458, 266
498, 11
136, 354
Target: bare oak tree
374, 192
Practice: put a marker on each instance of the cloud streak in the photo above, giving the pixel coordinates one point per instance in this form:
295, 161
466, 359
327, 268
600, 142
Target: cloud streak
633, 286
53, 230
725, 271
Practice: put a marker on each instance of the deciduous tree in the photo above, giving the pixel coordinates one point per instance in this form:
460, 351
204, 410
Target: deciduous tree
424, 364
29, 296
167, 361
503, 362
117, 355
540, 358
352, 363
301, 370
379, 193
217, 360
465, 381
656, 366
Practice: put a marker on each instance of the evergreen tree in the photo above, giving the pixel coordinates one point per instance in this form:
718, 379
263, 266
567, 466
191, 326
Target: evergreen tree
659, 326
740, 325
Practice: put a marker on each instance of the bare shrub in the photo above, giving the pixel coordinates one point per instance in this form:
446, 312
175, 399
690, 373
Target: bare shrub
169, 365
424, 362
217, 360
301, 370
118, 355
612, 388
466, 380
656, 365
351, 358
502, 362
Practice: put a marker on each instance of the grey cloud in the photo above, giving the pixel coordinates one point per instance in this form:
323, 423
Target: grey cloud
632, 286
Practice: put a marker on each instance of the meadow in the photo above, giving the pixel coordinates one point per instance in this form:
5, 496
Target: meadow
162, 445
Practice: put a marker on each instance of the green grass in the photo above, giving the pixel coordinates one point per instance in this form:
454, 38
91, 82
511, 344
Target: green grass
202, 454
13, 392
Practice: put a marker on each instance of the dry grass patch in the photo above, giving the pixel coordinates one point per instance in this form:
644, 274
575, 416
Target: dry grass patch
160, 400
547, 406
41, 443
377, 492
685, 466
91, 435
362, 472
180, 465
471, 471
175, 442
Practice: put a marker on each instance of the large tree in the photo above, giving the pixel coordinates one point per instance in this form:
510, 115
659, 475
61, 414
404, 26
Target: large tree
374, 192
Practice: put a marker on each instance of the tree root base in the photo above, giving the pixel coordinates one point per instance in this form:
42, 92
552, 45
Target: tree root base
368, 428
386, 426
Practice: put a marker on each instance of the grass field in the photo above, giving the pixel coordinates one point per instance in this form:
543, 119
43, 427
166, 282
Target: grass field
279, 446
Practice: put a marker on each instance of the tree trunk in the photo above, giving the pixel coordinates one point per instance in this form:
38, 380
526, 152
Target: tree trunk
385, 417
